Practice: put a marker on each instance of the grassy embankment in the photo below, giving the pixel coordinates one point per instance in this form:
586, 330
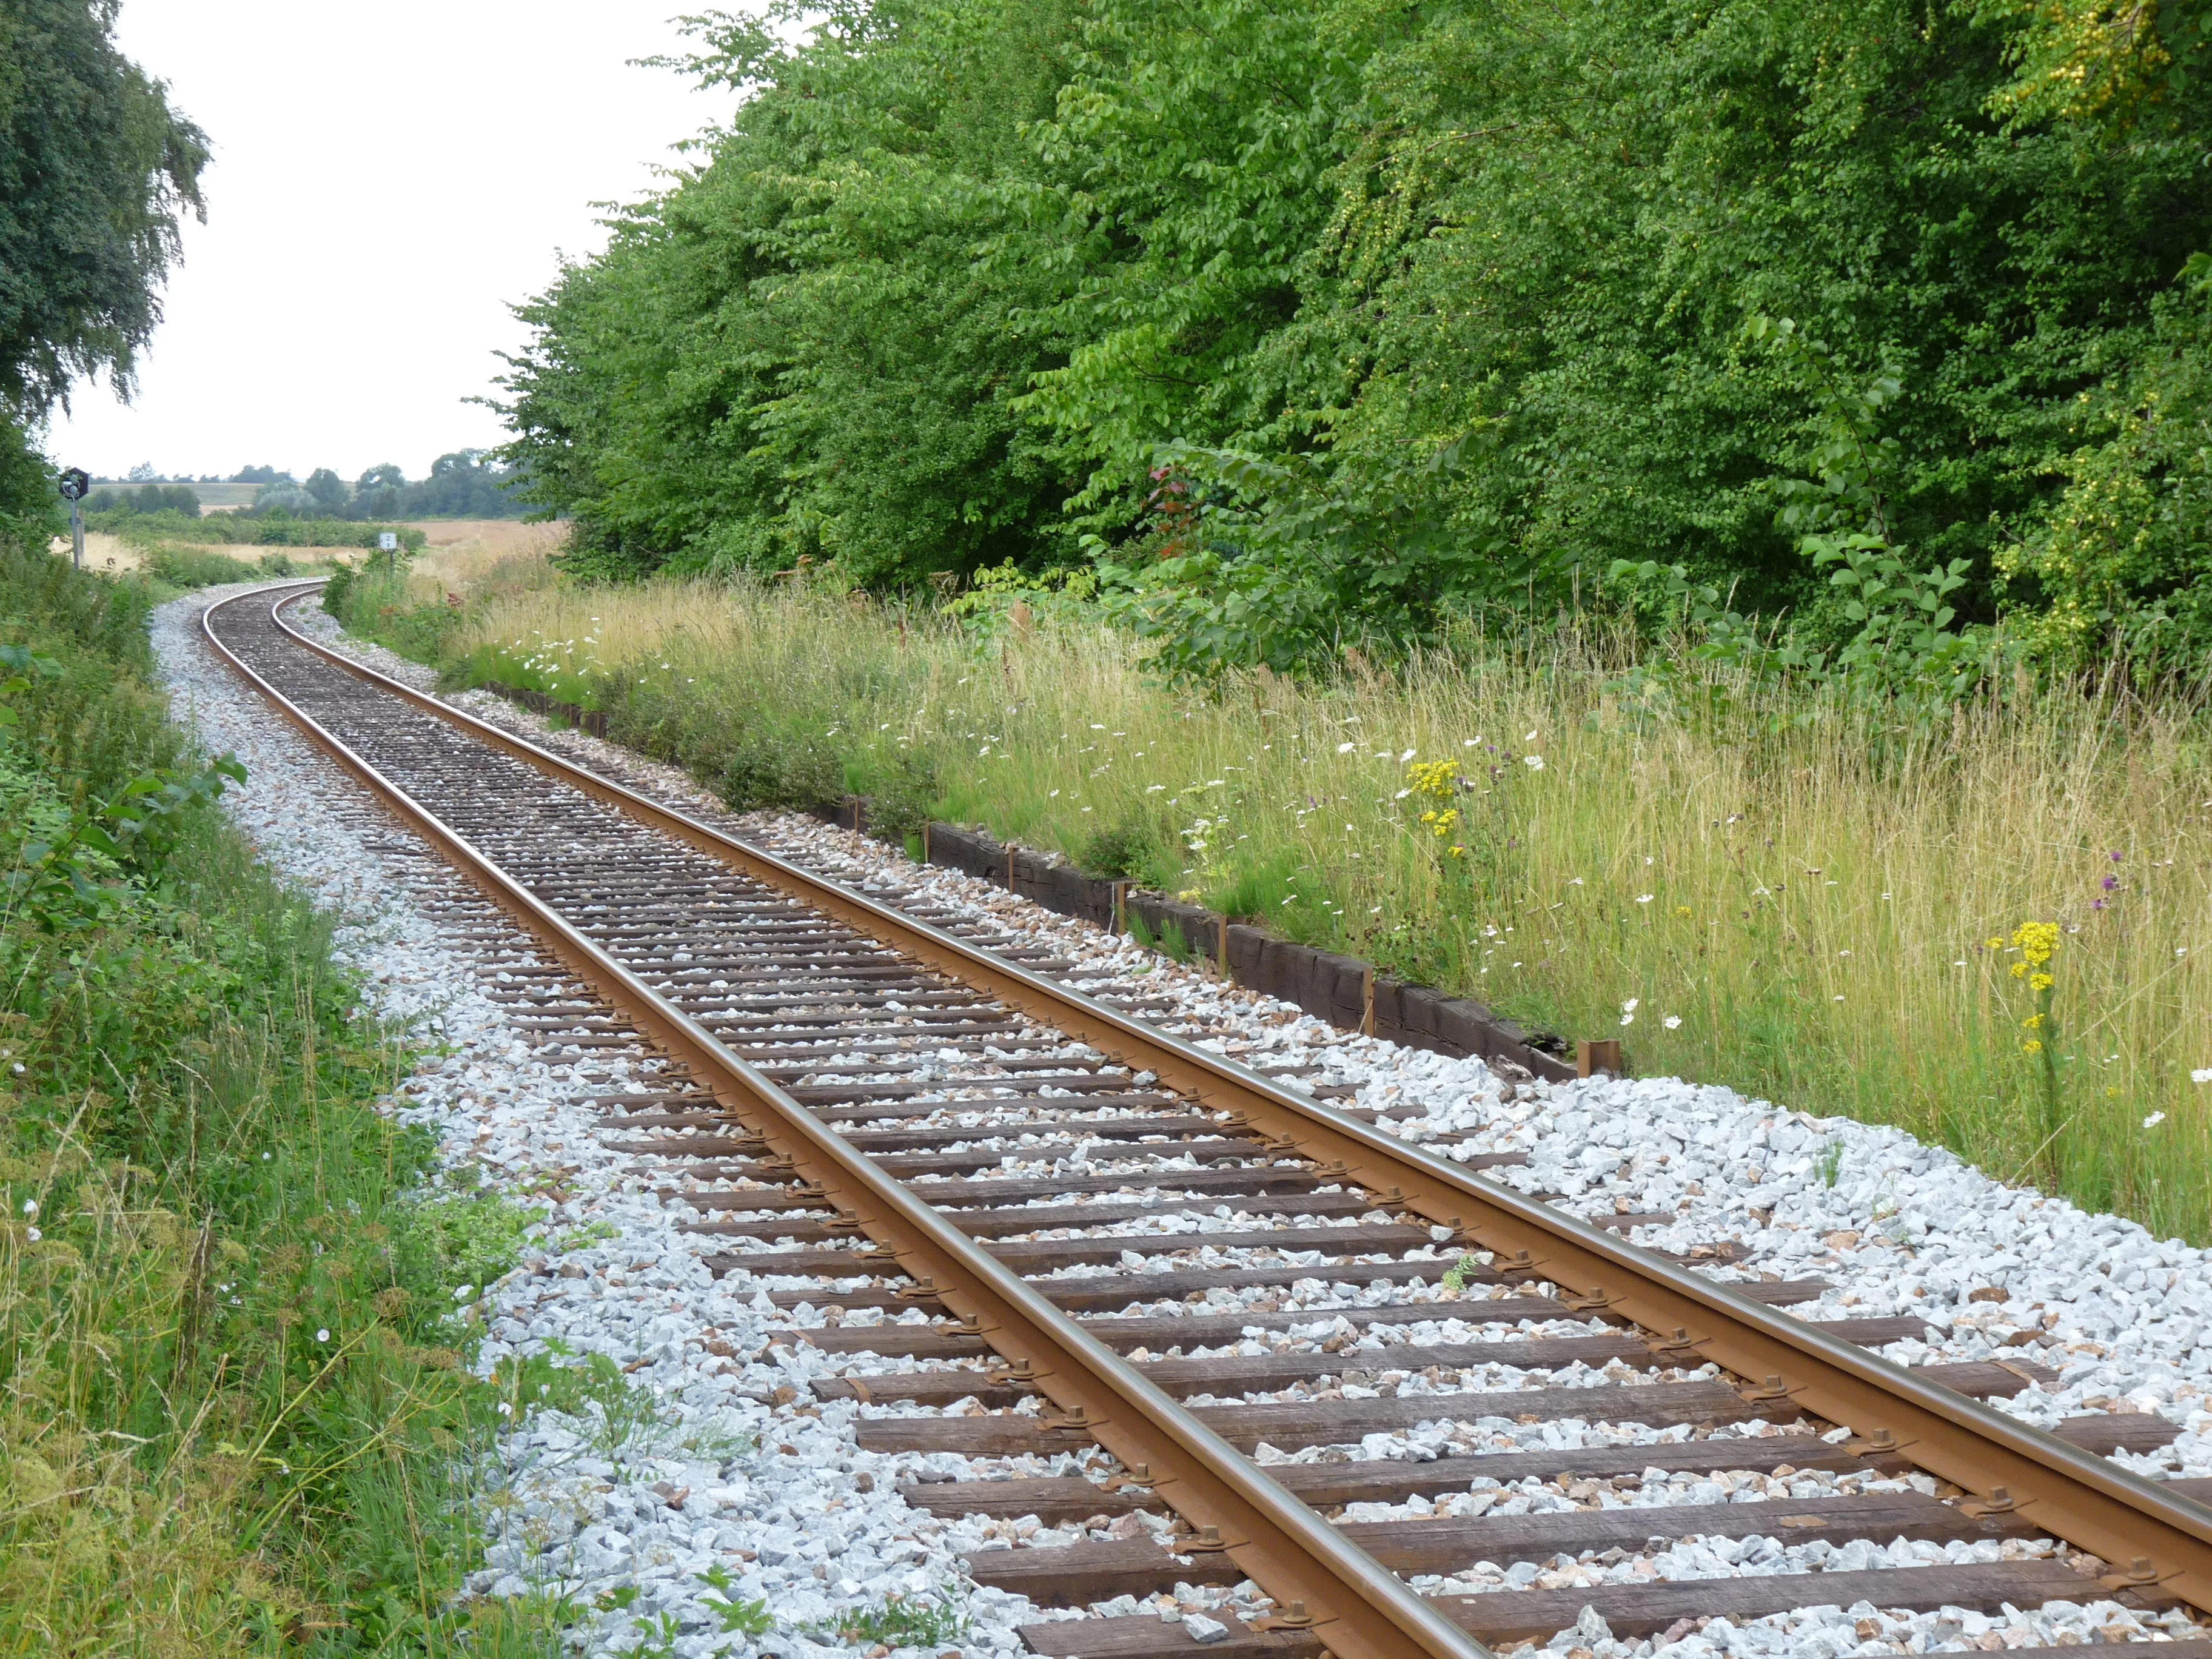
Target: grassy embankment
168, 569
162, 551
1744, 889
233, 1412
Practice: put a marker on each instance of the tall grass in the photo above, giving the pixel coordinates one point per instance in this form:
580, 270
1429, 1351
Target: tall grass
1745, 887
233, 1415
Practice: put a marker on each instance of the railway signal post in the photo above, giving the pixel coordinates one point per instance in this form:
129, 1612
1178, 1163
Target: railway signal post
75, 484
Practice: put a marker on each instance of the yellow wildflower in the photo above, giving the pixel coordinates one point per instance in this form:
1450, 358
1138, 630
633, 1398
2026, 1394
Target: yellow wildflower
1440, 779
2031, 1047
2033, 1022
2037, 941
1683, 911
1993, 944
2040, 982
2020, 970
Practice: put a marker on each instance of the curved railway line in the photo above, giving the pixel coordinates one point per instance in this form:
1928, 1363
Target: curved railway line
874, 1097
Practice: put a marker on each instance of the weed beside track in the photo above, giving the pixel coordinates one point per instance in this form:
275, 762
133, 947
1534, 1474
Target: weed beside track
233, 1416
1746, 890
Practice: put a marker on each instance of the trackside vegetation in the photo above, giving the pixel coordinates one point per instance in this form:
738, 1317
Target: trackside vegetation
1774, 311
1684, 518
234, 1411
1989, 927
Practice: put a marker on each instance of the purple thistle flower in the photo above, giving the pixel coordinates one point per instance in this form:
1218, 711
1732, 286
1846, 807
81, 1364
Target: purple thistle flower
2116, 858
2097, 904
2111, 882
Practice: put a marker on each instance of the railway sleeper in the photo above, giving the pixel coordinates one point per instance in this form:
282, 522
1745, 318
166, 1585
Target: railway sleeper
1634, 1610
1077, 1574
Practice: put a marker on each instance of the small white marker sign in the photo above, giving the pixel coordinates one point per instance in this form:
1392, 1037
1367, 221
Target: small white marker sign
386, 541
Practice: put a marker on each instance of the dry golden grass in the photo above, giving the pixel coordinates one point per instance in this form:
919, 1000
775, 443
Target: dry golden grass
1801, 908
461, 553
492, 538
104, 552
113, 555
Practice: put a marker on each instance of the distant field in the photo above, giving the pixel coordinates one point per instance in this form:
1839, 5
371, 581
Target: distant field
460, 550
214, 497
497, 536
112, 556
103, 552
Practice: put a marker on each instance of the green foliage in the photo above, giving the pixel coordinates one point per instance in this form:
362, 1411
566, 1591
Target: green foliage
925, 1620
1319, 325
1118, 854
31, 507
1905, 654
739, 1617
274, 529
70, 868
96, 171
2123, 562
147, 498
820, 334
1189, 161
622, 1418
198, 567
228, 1329
902, 793
462, 484
1287, 564
374, 601
463, 1241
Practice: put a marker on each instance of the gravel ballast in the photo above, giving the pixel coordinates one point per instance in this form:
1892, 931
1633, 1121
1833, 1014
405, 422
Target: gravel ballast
704, 1466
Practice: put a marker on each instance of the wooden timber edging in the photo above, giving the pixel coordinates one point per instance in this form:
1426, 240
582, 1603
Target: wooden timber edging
593, 720
1351, 994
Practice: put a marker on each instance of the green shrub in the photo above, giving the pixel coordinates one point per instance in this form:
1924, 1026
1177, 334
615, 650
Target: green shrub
337, 591
275, 529
764, 768
902, 795
1118, 854
198, 567
228, 1315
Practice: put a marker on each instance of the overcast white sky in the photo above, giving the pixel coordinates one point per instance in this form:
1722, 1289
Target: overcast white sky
388, 179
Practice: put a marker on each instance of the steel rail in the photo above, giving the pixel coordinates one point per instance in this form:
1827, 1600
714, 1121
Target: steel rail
1358, 1609
2155, 1541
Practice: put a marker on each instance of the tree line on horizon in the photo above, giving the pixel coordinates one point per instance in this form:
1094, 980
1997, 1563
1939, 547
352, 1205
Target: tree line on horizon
1354, 316
462, 483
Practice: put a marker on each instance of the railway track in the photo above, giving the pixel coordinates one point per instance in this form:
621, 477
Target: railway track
1198, 1327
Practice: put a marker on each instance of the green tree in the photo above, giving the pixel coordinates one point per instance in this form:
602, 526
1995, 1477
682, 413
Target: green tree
96, 171
810, 349
326, 489
376, 492
1427, 307
1192, 149
462, 484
